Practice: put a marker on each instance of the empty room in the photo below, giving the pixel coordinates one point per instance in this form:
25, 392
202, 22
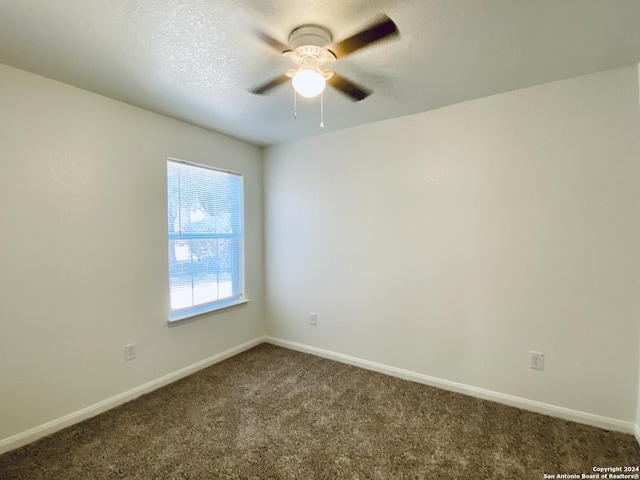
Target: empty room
319, 239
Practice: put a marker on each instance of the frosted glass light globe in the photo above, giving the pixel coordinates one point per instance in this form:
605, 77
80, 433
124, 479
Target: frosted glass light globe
308, 83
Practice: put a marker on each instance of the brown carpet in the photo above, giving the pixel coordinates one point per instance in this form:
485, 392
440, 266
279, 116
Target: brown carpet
275, 413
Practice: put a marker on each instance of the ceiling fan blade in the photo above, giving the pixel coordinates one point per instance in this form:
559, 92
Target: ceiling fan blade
246, 24
384, 27
269, 40
265, 87
350, 89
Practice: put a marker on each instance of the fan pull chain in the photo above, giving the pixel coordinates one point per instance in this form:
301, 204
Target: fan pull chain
322, 110
295, 104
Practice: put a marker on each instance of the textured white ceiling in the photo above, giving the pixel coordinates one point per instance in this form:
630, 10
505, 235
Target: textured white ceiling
192, 60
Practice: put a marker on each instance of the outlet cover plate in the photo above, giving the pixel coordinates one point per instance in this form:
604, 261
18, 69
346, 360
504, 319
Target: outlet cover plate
130, 351
536, 360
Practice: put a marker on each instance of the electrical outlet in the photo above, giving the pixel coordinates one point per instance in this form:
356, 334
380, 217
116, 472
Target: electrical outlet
313, 319
130, 351
536, 360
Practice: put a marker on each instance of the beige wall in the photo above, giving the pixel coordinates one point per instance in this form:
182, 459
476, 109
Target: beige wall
637, 425
83, 257
453, 242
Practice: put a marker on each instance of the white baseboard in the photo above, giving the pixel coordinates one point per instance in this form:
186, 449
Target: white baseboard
513, 401
40, 431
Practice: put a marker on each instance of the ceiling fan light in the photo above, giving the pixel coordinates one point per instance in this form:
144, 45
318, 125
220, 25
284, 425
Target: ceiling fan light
309, 83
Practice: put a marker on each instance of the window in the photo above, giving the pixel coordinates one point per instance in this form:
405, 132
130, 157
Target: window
205, 239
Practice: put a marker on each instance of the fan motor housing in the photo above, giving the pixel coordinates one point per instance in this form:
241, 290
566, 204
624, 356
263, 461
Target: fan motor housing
315, 35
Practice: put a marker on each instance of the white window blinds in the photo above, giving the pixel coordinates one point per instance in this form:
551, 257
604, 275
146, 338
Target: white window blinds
205, 238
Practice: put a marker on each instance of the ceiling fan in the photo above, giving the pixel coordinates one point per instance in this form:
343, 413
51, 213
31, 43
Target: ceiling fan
311, 50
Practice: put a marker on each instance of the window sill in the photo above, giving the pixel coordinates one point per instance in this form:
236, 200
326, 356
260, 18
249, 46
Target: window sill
180, 317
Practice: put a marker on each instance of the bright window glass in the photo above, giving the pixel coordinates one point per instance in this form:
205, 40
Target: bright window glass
205, 239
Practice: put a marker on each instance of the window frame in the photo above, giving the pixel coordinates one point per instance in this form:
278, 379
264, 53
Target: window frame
187, 313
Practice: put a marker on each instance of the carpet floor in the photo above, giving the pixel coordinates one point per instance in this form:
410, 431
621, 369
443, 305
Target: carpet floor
275, 413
